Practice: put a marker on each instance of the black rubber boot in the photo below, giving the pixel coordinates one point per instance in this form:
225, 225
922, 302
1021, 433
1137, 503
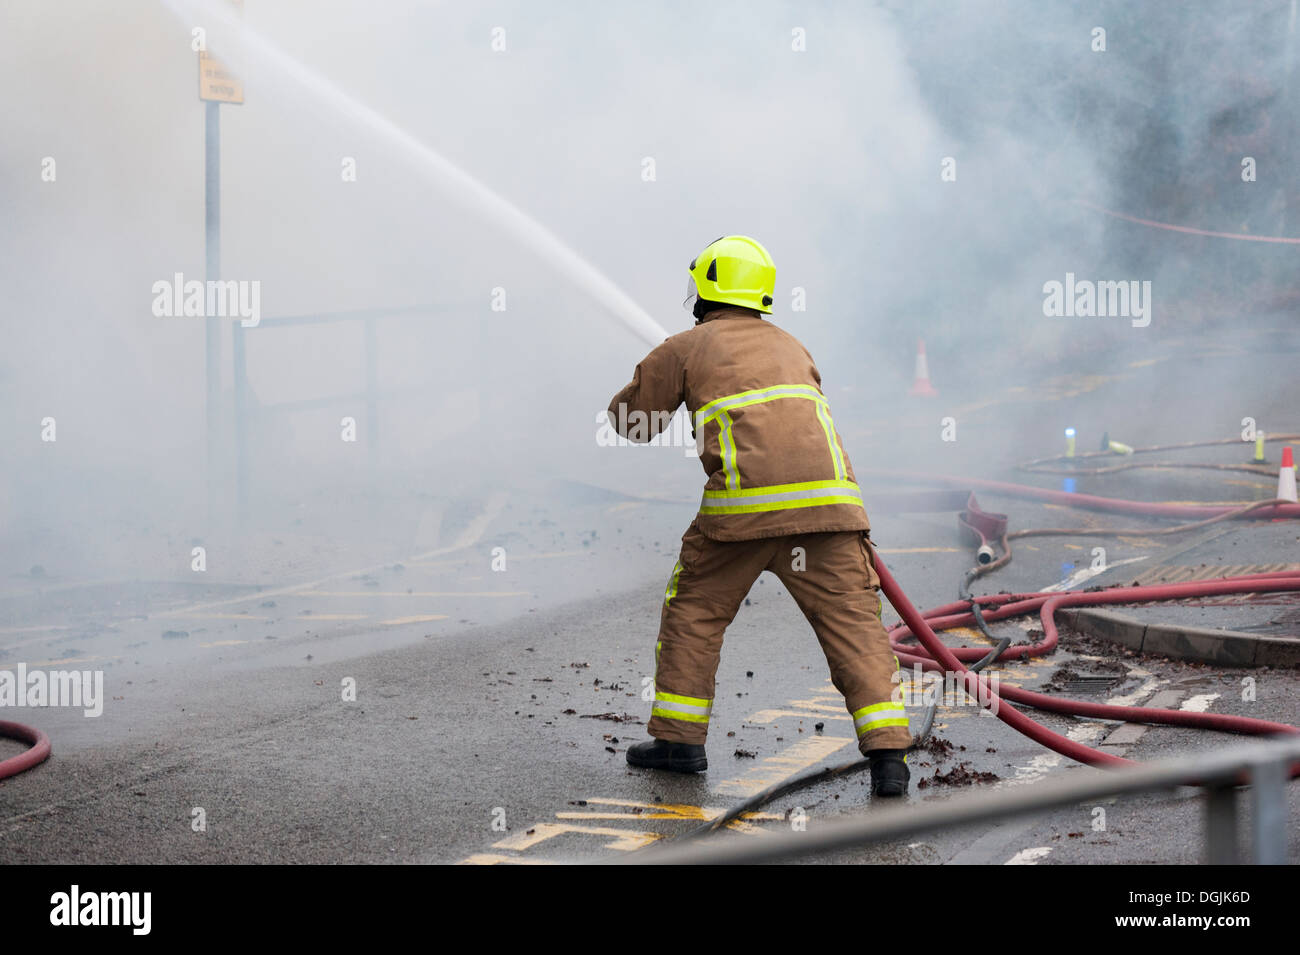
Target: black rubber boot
889, 772
674, 757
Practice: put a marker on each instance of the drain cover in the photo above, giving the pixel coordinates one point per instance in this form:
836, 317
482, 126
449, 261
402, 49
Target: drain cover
1091, 682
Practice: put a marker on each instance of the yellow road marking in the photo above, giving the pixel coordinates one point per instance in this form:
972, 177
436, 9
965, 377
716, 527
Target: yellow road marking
332, 616
1253, 485
659, 811
772, 715
223, 643
783, 765
712, 814
825, 705
664, 810
492, 858
421, 619
818, 703
625, 840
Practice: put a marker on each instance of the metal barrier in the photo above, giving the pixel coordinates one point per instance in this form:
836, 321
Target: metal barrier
1265, 767
369, 317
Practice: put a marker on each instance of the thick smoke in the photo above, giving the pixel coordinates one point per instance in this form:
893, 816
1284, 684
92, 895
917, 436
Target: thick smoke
636, 133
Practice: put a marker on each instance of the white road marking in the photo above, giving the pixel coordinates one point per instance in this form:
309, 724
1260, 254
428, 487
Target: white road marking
1087, 573
1152, 684
1029, 856
1042, 764
1199, 703
473, 530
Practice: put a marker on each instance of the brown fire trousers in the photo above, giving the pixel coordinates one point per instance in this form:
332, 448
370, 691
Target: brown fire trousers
831, 576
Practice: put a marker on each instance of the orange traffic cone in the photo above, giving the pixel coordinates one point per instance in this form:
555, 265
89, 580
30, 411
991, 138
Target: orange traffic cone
921, 380
1286, 477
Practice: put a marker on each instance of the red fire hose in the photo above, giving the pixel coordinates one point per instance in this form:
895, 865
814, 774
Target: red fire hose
38, 753
938, 657
987, 528
1002, 606
1092, 502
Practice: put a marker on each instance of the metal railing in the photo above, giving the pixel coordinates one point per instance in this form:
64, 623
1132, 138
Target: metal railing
1264, 767
370, 396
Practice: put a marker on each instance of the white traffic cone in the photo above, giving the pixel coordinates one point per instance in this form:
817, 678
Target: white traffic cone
1286, 477
921, 379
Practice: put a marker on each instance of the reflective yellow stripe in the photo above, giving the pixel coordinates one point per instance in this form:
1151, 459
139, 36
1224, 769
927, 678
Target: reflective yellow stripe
689, 700
780, 497
778, 489
891, 714
778, 505
837, 456
688, 717
753, 397
727, 444
671, 590
673, 706
720, 409
880, 724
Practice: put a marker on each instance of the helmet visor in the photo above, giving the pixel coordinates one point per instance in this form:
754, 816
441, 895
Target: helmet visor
692, 293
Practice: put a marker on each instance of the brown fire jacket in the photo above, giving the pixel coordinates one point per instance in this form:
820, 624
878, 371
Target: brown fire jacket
762, 426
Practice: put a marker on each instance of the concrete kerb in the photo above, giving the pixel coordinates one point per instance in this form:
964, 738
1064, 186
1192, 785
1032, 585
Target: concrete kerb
1223, 647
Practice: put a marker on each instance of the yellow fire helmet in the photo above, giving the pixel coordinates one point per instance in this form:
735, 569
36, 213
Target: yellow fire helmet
733, 269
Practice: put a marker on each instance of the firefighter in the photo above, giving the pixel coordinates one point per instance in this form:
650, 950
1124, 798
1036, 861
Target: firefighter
780, 496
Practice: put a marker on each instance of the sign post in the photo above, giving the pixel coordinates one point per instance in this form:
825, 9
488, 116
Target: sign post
217, 85
212, 271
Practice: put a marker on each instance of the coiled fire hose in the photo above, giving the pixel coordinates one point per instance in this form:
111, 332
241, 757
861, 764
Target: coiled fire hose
38, 751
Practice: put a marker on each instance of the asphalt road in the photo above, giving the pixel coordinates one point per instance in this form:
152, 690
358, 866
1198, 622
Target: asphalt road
493, 704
